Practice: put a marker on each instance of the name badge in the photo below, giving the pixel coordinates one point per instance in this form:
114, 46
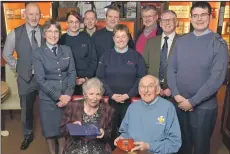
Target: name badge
66, 58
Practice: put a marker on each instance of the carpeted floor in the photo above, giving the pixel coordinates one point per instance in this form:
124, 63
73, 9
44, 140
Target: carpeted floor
11, 144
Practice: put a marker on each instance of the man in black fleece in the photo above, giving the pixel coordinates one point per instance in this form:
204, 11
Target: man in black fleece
103, 38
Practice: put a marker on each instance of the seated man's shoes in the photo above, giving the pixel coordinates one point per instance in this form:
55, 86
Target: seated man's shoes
26, 142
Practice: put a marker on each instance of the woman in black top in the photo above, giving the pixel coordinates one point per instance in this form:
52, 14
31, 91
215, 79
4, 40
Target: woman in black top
83, 51
120, 70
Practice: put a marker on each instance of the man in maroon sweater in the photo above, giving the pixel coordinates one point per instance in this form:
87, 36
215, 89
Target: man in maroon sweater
149, 16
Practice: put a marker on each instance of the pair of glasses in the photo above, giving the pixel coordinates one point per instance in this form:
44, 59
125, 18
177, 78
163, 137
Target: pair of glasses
150, 87
167, 20
147, 17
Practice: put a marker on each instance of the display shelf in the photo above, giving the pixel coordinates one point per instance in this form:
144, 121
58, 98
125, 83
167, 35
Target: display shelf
226, 26
182, 9
15, 17
215, 15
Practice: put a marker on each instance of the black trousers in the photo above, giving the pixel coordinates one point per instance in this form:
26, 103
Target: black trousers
78, 90
119, 113
196, 130
27, 108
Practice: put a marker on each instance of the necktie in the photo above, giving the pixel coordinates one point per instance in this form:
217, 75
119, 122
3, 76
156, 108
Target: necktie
54, 51
163, 58
34, 40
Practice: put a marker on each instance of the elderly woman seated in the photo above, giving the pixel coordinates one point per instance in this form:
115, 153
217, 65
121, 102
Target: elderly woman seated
91, 109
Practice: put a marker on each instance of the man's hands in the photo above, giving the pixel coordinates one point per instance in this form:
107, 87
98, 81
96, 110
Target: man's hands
138, 145
63, 100
80, 81
179, 98
165, 92
118, 138
120, 98
183, 103
142, 146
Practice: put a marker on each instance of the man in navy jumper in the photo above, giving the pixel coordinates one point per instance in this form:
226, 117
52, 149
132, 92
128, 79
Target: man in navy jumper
103, 38
197, 68
152, 122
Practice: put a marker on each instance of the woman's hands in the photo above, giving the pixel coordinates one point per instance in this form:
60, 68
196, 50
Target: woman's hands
102, 133
63, 100
120, 98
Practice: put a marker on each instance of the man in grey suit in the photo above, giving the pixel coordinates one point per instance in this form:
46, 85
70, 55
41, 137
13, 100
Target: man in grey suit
24, 39
158, 49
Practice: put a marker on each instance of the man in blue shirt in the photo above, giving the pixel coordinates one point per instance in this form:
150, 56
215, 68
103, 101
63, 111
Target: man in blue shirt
197, 68
152, 121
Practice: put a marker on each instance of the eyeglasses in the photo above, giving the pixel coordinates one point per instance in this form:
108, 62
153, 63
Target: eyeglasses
202, 16
50, 32
167, 20
150, 87
73, 22
147, 17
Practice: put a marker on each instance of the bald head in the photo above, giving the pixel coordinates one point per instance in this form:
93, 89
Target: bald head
32, 6
150, 79
149, 88
33, 14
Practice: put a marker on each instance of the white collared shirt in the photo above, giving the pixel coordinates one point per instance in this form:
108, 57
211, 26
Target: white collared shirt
170, 40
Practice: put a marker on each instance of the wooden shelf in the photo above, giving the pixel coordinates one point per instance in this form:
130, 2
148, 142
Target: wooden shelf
183, 15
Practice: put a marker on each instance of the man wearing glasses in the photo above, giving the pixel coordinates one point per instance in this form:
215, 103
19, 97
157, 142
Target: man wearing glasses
151, 29
196, 70
158, 49
152, 121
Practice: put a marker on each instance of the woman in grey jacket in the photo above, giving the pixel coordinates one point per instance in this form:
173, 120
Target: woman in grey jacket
55, 73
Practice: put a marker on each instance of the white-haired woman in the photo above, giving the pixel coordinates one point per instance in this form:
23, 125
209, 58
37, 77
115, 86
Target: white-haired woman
92, 109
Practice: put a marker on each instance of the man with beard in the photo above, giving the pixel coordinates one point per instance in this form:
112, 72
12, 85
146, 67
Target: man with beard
24, 39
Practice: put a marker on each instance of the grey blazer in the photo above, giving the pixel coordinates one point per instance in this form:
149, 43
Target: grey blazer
152, 56
55, 75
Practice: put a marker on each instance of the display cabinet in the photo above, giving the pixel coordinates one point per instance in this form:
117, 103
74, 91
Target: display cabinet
182, 9
226, 26
215, 15
14, 15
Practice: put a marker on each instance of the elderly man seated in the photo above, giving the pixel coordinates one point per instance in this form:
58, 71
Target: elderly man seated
152, 121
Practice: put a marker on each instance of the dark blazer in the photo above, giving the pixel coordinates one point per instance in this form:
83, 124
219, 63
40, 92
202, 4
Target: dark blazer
152, 56
55, 75
73, 112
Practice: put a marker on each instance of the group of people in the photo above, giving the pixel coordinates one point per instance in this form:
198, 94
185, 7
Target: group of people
176, 77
